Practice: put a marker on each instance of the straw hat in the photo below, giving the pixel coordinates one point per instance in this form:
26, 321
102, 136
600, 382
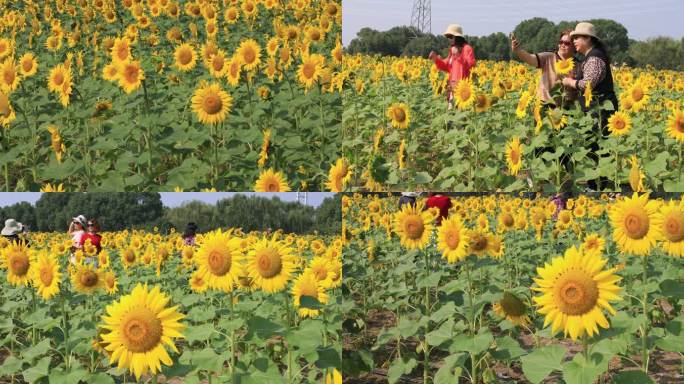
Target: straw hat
12, 227
453, 30
81, 220
584, 28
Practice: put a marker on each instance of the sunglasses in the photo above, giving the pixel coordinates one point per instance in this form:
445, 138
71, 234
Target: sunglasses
565, 43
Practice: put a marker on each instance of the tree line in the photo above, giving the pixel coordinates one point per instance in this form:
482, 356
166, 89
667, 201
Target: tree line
118, 211
536, 35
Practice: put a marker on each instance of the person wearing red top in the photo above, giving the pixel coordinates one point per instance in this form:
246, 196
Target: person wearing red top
440, 201
460, 61
92, 235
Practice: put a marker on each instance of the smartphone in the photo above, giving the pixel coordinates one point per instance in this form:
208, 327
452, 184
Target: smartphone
511, 35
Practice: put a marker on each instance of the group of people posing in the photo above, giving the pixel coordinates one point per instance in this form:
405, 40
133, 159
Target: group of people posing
593, 71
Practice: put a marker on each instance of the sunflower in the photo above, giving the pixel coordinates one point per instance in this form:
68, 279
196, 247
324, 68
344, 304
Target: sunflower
675, 125
672, 219
480, 242
9, 76
129, 257
271, 181
121, 50
636, 224
574, 290
307, 284
557, 119
619, 124
233, 71
523, 103
482, 103
399, 115
413, 225
512, 308
45, 275
218, 64
6, 47
110, 282
339, 175
28, 65
18, 262
593, 244
130, 75
464, 94
7, 114
185, 57
219, 260
321, 266
86, 279
270, 264
638, 96
563, 67
309, 70
110, 72
211, 104
514, 151
231, 15
249, 53
588, 95
452, 239
636, 177
198, 282
48, 187
334, 377
139, 326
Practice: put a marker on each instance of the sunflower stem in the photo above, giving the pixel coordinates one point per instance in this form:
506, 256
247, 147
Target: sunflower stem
426, 346
644, 303
681, 144
33, 308
289, 349
65, 329
232, 341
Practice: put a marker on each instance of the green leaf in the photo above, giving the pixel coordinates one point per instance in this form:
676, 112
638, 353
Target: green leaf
400, 367
263, 328
542, 361
208, 360
442, 334
10, 366
582, 371
58, 376
37, 350
199, 332
38, 370
423, 178
100, 378
310, 303
672, 288
632, 377
328, 357
474, 345
507, 349
450, 371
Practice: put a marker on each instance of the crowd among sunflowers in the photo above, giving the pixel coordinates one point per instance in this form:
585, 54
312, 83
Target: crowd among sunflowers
526, 287
398, 133
120, 95
233, 306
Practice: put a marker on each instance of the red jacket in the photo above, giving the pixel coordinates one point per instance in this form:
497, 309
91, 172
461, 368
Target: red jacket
442, 202
457, 65
94, 240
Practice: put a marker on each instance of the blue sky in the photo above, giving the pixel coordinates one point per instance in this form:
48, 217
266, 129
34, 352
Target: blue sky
171, 199
643, 19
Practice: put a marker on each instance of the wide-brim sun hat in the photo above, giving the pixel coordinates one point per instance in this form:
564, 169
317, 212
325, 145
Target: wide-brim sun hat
584, 29
454, 30
81, 220
12, 227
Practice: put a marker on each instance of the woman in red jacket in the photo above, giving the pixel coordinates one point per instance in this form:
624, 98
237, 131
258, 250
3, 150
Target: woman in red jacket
459, 62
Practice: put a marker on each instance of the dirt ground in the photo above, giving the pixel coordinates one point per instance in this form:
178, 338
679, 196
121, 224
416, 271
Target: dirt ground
665, 367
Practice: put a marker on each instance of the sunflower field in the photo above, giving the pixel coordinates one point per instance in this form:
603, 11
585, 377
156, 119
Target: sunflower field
514, 288
131, 95
398, 134
234, 308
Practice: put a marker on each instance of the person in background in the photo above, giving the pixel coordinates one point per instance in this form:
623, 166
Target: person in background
76, 231
189, 234
546, 62
92, 235
407, 198
442, 202
458, 63
12, 231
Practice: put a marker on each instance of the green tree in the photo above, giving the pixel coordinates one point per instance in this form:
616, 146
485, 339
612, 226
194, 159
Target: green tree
659, 52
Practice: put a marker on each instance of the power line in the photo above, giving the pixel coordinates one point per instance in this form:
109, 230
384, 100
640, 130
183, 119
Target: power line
421, 17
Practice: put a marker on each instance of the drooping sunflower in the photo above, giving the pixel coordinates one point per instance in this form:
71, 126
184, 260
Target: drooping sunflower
339, 175
464, 94
131, 75
211, 104
249, 53
514, 155
306, 284
557, 119
413, 225
271, 181
675, 125
86, 279
17, 260
672, 219
139, 326
46, 276
185, 57
452, 239
563, 67
619, 124
574, 290
636, 176
219, 259
270, 264
401, 154
399, 115
512, 308
636, 224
